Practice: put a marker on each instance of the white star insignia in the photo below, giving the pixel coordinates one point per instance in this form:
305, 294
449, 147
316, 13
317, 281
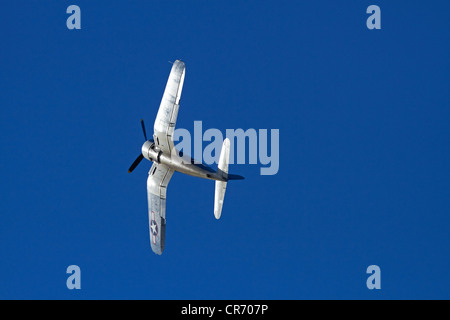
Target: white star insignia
153, 227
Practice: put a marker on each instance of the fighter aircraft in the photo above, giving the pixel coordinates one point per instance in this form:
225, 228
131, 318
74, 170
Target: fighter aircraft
166, 159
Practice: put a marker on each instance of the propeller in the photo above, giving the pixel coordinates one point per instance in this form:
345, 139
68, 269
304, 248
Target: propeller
143, 129
140, 157
135, 163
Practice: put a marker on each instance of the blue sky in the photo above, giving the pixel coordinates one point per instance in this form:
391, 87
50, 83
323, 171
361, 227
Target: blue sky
364, 149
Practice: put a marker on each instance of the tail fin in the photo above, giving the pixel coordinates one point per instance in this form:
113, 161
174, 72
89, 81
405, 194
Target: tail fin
235, 177
221, 186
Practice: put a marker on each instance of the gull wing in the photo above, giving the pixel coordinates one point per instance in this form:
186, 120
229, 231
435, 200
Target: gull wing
168, 109
158, 179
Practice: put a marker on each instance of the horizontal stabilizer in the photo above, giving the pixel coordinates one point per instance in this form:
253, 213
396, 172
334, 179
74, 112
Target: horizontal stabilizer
221, 186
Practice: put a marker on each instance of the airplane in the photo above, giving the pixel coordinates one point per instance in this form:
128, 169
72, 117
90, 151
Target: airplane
166, 160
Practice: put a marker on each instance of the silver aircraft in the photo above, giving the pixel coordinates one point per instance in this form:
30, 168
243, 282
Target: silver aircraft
166, 159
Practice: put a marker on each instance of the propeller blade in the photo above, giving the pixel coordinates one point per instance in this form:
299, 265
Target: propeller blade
135, 163
143, 129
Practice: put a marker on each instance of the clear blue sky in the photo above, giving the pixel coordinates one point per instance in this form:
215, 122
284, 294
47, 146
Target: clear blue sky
364, 149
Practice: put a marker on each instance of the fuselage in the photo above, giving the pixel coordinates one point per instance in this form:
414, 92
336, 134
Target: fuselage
183, 164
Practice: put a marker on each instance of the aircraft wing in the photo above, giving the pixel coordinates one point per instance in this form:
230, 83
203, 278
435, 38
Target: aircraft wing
158, 179
168, 109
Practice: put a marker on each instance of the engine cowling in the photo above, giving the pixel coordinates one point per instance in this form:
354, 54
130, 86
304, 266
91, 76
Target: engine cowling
149, 152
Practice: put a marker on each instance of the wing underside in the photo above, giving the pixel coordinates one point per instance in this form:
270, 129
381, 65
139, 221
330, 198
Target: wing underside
168, 110
157, 182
